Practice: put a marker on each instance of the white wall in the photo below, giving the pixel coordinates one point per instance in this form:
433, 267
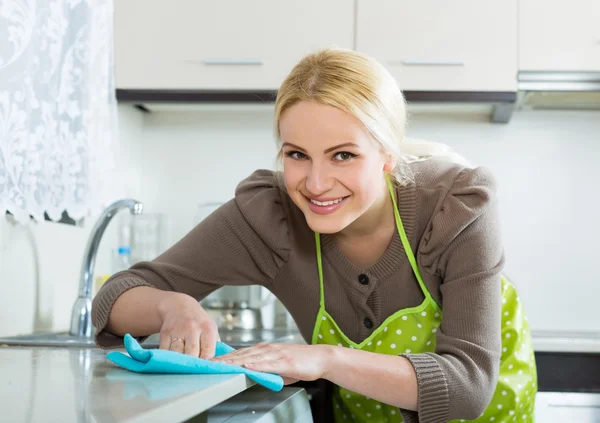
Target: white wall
544, 162
190, 158
546, 167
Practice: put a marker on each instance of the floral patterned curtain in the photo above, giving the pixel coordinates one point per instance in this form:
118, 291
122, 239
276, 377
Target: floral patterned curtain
58, 121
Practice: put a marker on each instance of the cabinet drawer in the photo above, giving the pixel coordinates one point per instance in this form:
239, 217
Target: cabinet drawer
461, 45
229, 44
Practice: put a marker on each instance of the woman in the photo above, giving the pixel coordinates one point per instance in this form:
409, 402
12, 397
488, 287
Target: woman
389, 266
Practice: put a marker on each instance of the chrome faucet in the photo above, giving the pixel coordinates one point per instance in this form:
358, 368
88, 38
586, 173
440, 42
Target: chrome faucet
81, 316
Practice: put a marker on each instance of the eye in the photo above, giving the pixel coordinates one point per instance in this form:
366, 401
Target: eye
296, 155
344, 156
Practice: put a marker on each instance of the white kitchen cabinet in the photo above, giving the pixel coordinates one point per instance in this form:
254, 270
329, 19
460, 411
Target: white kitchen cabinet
431, 45
555, 35
225, 44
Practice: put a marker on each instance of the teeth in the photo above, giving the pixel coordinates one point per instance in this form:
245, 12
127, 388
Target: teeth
326, 203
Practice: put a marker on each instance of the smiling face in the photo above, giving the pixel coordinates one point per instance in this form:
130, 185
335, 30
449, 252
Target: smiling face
333, 168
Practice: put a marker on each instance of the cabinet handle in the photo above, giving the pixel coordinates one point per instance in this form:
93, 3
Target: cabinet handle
230, 62
412, 62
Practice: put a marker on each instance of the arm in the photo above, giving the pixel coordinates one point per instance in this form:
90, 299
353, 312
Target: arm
462, 248
386, 378
144, 301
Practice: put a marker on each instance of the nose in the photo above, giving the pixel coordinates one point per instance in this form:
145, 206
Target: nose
318, 181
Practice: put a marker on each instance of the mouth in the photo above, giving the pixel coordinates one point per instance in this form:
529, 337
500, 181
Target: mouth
325, 207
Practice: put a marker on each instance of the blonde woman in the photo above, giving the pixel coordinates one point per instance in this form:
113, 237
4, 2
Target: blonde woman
388, 257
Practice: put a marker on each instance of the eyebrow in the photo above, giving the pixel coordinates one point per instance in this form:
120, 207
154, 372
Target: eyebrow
346, 144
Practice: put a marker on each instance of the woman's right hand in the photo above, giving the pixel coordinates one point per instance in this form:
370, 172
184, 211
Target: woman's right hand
186, 327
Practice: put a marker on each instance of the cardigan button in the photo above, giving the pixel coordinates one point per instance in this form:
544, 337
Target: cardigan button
363, 279
368, 323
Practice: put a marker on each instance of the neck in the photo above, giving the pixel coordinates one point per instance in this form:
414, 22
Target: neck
378, 218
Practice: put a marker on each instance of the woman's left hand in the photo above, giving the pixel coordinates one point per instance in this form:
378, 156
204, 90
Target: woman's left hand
293, 362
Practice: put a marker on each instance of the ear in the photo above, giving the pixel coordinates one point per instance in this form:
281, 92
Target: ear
390, 164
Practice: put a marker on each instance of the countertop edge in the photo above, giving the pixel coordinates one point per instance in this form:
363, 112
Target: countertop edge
566, 344
195, 403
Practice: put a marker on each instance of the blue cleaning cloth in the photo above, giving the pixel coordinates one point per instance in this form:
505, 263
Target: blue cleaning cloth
141, 360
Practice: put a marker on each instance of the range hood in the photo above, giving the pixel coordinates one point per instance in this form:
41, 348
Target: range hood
559, 90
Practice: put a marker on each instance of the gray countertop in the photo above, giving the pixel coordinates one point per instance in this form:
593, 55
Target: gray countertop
78, 384
40, 384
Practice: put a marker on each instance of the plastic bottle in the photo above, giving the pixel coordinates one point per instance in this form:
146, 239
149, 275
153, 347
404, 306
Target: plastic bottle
122, 259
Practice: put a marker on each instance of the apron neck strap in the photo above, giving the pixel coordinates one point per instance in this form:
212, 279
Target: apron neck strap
405, 243
320, 267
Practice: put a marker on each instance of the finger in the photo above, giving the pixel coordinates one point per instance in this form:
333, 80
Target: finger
237, 353
257, 358
242, 352
208, 343
165, 341
262, 347
192, 342
177, 344
269, 366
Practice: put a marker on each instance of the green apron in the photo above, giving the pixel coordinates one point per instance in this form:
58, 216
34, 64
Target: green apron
413, 330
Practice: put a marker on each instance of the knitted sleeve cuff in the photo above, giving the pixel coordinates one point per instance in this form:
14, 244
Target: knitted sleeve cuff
102, 305
433, 402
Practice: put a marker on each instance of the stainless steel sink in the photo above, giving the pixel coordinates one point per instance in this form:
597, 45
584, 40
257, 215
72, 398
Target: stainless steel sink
237, 338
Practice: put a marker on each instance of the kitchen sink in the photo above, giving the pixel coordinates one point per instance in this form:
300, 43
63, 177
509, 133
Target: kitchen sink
237, 338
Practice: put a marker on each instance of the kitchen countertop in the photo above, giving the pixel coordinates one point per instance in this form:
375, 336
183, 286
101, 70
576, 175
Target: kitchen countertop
40, 384
79, 385
76, 384
566, 342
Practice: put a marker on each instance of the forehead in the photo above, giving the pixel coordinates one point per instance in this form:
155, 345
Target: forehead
310, 124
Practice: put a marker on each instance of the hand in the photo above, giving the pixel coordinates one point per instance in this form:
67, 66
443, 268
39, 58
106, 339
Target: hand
186, 327
291, 361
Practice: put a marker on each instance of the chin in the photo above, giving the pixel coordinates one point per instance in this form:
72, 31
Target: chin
325, 225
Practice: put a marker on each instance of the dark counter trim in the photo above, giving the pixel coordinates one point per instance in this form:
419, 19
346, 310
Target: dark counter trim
205, 96
568, 372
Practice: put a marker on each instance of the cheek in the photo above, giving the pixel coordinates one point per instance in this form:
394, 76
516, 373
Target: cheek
292, 176
365, 183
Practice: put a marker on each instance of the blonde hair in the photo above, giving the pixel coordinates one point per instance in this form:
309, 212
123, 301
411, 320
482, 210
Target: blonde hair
361, 86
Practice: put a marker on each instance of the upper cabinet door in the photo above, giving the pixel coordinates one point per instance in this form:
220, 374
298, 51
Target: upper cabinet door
224, 44
432, 45
557, 35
